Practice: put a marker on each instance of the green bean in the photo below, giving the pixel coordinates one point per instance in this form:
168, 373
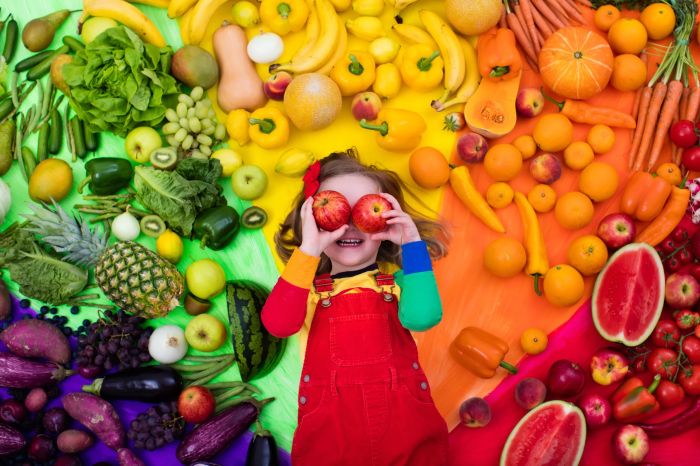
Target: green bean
7, 136
69, 132
33, 117
34, 60
74, 43
42, 149
78, 137
18, 147
29, 160
55, 132
11, 34
13, 89
44, 66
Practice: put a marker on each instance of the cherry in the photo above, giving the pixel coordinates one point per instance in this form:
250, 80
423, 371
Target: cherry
673, 264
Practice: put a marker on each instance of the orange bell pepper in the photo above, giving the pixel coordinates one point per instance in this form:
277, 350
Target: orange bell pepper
497, 56
645, 196
480, 352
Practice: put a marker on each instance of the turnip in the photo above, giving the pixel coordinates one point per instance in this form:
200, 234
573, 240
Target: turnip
97, 415
32, 338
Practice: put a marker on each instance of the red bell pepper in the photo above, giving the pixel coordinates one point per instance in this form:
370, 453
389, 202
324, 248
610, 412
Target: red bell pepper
633, 402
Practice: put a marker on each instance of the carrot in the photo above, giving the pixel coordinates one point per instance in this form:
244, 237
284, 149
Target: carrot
585, 3
523, 23
657, 99
549, 14
676, 117
637, 99
540, 38
573, 11
669, 109
557, 9
683, 105
542, 23
526, 8
642, 114
691, 110
522, 39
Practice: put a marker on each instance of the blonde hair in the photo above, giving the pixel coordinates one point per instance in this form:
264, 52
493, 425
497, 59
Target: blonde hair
288, 237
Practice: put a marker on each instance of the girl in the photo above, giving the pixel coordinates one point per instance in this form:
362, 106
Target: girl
363, 398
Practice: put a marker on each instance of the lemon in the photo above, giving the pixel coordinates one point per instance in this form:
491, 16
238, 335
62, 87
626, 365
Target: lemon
169, 246
205, 278
245, 14
230, 161
384, 49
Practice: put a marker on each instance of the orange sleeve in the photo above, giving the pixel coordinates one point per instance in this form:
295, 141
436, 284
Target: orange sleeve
301, 269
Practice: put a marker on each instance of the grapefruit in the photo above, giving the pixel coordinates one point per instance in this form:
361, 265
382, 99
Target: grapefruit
552, 433
312, 101
628, 295
473, 17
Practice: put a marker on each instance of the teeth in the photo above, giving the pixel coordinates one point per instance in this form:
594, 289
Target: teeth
349, 242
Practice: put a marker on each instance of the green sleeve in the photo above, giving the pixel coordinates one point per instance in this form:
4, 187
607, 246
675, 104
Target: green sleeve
420, 307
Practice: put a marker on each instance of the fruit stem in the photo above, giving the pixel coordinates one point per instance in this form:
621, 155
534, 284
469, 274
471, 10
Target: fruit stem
425, 63
654, 384
383, 128
266, 124
537, 276
509, 367
283, 9
355, 67
94, 387
498, 71
551, 99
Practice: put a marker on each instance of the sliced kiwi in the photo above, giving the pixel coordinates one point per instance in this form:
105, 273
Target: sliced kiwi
153, 226
164, 158
195, 306
253, 217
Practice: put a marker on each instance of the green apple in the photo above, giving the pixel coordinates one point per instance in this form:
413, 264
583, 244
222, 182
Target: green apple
205, 278
140, 142
205, 333
95, 26
249, 182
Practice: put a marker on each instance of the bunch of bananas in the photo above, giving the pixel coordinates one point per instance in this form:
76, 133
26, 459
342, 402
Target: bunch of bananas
196, 15
127, 14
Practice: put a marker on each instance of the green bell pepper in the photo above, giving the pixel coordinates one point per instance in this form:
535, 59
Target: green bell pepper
216, 227
107, 175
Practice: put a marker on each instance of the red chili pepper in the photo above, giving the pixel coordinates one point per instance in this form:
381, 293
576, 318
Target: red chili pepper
687, 319
633, 402
676, 425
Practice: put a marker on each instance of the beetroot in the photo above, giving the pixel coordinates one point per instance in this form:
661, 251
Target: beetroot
32, 338
12, 411
18, 372
97, 415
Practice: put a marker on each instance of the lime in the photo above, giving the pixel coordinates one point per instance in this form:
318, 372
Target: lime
245, 14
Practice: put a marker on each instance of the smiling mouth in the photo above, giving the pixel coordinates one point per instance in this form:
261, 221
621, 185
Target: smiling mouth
349, 242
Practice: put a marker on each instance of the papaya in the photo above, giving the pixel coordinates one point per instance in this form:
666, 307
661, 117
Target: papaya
491, 110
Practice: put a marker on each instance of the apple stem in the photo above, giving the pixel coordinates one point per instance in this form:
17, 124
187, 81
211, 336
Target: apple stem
509, 367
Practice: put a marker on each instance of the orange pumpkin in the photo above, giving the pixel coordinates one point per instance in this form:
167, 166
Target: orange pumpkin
576, 63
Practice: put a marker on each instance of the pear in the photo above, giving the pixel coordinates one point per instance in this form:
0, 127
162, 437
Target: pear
57, 74
39, 32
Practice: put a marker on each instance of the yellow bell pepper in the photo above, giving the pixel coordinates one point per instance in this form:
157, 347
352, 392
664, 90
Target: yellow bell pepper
284, 16
463, 186
237, 125
354, 72
537, 261
387, 82
397, 129
421, 67
269, 128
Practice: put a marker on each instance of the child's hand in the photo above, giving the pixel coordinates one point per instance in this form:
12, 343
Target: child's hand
313, 240
400, 226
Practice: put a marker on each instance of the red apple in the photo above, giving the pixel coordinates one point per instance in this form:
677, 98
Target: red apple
682, 291
276, 84
608, 366
367, 213
617, 230
475, 412
529, 102
472, 147
596, 409
630, 444
196, 404
365, 105
545, 168
331, 210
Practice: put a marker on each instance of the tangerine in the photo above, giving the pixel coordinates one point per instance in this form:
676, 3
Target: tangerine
542, 198
588, 254
553, 132
629, 72
428, 167
503, 162
578, 155
627, 35
670, 172
605, 16
598, 181
563, 285
533, 341
526, 145
505, 257
573, 210
499, 195
659, 19
601, 138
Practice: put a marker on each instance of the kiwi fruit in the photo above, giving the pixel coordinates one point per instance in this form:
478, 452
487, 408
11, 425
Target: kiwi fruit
195, 306
253, 217
164, 158
152, 225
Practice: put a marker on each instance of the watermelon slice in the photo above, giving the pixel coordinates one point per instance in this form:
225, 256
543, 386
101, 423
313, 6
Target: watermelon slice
552, 434
628, 295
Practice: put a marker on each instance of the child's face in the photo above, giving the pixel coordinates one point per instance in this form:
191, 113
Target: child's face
355, 249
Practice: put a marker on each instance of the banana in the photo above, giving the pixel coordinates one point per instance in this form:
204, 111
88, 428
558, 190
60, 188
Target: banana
365, 27
312, 30
203, 12
340, 49
399, 5
178, 8
185, 26
124, 13
413, 34
322, 49
294, 162
155, 3
341, 5
450, 50
470, 83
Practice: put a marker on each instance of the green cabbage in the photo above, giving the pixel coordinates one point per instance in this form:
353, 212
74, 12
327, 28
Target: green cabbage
117, 82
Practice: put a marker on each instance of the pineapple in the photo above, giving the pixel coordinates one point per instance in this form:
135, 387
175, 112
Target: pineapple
132, 276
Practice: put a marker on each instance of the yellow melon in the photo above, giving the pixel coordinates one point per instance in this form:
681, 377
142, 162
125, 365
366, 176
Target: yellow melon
312, 101
473, 17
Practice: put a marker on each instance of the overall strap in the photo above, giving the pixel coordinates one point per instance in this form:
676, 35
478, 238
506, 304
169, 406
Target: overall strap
323, 285
385, 281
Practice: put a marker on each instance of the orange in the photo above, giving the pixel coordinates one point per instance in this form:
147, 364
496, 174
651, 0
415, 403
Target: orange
542, 198
659, 19
499, 195
627, 35
563, 285
601, 138
505, 257
428, 167
503, 162
573, 210
605, 16
670, 172
598, 181
553, 132
526, 145
578, 155
588, 254
533, 341
629, 72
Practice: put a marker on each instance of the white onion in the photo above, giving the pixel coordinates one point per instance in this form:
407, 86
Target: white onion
125, 227
265, 48
167, 344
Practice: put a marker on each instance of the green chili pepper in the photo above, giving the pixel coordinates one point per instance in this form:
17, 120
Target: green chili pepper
11, 35
106, 175
216, 227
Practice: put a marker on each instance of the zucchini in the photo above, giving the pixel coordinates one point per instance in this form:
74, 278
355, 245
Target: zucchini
148, 383
256, 351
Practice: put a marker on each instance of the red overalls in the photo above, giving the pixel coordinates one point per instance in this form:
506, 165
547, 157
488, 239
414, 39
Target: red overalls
363, 398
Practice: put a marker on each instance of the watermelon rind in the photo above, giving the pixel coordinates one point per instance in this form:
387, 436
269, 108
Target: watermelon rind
568, 408
655, 315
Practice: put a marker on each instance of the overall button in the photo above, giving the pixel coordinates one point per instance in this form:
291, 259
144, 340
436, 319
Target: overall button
302, 399
325, 302
388, 297
306, 378
415, 366
424, 385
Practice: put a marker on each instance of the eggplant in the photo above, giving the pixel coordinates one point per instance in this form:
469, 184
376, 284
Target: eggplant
149, 383
11, 440
215, 434
18, 372
262, 450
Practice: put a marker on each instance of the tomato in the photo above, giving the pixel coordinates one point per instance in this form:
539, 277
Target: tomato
691, 348
669, 394
685, 256
668, 246
697, 331
679, 235
691, 158
673, 264
690, 379
686, 319
666, 334
663, 361
682, 133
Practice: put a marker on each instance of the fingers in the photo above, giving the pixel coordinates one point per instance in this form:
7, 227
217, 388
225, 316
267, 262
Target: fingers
394, 213
336, 234
381, 236
392, 200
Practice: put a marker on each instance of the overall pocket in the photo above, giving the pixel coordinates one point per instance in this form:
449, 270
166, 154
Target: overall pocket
360, 339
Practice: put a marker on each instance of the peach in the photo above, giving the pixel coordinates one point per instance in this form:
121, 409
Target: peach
365, 105
472, 147
475, 412
276, 84
529, 102
545, 168
530, 392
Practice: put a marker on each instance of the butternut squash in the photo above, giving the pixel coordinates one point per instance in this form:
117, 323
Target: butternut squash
491, 110
239, 83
